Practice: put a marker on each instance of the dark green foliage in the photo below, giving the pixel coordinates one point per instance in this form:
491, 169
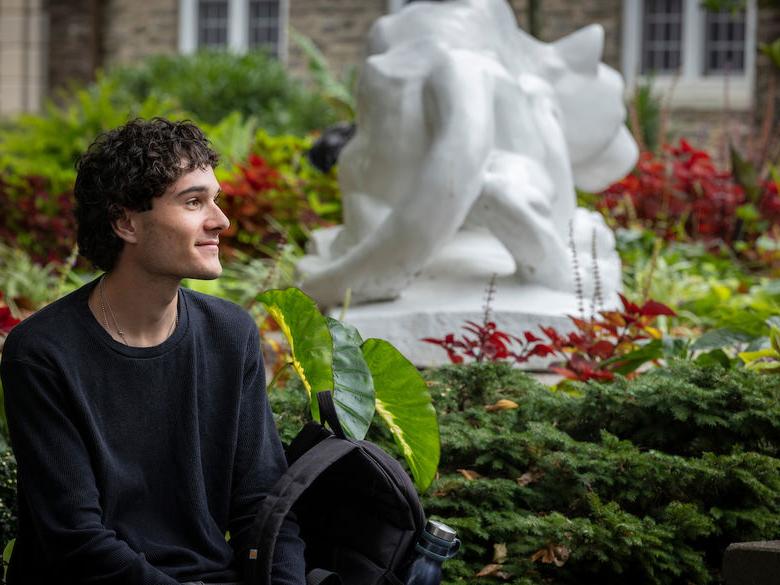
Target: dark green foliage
7, 497
212, 84
684, 410
608, 510
643, 481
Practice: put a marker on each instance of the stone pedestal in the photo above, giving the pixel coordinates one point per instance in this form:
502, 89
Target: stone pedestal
752, 563
451, 290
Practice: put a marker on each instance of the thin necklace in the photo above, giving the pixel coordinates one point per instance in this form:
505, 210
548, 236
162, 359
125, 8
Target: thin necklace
104, 303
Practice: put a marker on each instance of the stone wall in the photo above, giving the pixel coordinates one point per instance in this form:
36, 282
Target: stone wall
766, 119
558, 18
133, 29
338, 27
74, 50
22, 55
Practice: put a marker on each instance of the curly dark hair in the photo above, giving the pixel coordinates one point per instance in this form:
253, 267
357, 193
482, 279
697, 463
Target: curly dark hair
124, 169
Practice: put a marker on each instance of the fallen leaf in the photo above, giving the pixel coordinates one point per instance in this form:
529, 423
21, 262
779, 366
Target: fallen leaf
502, 404
556, 554
499, 553
469, 474
494, 570
529, 477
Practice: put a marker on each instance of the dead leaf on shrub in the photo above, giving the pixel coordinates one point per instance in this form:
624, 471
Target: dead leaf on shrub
499, 553
494, 570
502, 404
469, 474
552, 553
529, 477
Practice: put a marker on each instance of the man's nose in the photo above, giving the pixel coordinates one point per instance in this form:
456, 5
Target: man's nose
218, 220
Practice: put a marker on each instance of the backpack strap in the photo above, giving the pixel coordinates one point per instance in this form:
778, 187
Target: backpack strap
280, 500
322, 577
328, 413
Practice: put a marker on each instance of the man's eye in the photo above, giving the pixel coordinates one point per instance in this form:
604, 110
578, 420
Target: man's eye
194, 203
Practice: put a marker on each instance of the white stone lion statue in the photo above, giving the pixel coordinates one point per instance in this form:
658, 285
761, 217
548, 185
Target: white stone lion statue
466, 122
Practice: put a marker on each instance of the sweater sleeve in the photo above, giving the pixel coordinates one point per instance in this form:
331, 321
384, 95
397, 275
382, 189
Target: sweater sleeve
258, 464
58, 485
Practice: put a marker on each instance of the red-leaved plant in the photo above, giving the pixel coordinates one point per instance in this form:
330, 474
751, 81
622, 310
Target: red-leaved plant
685, 194
7, 320
618, 341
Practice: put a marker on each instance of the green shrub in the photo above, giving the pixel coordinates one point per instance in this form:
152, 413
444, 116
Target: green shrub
37, 158
592, 506
684, 410
7, 497
212, 84
47, 145
535, 504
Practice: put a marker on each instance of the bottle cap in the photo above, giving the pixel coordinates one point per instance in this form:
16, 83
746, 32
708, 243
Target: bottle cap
440, 530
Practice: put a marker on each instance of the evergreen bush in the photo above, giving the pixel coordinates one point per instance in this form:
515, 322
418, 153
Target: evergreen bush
641, 481
213, 84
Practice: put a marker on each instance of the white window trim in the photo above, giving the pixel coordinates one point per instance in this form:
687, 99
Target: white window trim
691, 89
238, 29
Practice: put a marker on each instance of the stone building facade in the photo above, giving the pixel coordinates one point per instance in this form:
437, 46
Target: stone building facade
23, 53
48, 44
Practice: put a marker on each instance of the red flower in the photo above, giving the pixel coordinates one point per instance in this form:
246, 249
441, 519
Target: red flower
7, 320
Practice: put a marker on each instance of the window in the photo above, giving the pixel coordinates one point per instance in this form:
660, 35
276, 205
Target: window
662, 36
724, 49
264, 24
705, 59
212, 23
238, 25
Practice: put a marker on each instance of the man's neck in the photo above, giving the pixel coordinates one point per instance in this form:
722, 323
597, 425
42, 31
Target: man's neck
137, 310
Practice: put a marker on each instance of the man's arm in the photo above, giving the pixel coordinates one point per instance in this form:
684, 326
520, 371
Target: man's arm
58, 485
258, 464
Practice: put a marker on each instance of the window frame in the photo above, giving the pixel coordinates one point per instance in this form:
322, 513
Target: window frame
691, 88
238, 27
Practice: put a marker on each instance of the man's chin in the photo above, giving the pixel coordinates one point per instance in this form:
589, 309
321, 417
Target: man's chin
205, 274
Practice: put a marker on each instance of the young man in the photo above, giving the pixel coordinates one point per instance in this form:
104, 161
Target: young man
137, 409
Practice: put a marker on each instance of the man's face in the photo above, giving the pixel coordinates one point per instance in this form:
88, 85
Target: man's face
179, 236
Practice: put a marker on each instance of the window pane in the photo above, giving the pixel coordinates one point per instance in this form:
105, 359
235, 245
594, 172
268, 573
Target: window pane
724, 44
264, 25
662, 36
212, 23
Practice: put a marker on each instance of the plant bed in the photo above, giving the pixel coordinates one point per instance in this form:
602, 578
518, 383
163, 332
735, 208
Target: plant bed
641, 481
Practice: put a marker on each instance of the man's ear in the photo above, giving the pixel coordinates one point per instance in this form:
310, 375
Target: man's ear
126, 226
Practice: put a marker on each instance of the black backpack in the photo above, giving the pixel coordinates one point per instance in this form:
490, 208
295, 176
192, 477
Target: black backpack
358, 511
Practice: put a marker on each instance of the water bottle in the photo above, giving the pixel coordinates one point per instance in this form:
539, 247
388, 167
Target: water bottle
437, 544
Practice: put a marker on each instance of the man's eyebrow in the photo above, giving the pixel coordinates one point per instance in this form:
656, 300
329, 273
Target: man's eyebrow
193, 189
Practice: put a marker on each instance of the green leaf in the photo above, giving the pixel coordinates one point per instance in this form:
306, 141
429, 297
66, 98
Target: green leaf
715, 356
631, 361
309, 337
719, 338
404, 404
9, 548
765, 367
353, 390
746, 175
772, 50
774, 338
752, 356
748, 212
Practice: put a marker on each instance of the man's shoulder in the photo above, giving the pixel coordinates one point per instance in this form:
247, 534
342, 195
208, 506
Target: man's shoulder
218, 310
47, 328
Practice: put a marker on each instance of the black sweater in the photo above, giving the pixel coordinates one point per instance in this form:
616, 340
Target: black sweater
133, 463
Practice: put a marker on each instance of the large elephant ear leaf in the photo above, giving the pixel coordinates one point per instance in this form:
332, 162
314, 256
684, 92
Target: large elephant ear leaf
404, 404
307, 333
353, 388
